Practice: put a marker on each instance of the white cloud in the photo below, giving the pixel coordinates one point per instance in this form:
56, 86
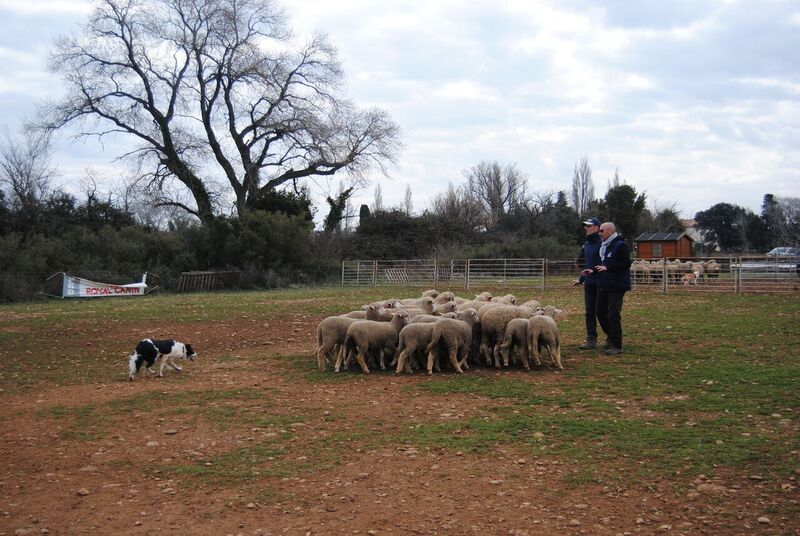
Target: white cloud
46, 7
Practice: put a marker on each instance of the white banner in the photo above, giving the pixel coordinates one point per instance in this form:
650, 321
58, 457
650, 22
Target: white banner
77, 287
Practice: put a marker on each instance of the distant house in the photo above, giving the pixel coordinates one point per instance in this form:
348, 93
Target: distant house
664, 246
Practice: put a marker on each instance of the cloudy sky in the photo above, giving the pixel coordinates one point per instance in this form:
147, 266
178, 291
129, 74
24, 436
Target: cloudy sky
694, 102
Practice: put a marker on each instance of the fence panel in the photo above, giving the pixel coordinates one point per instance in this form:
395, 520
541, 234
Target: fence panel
714, 274
773, 274
506, 272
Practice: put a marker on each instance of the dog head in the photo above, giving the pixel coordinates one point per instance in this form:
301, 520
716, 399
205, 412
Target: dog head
190, 353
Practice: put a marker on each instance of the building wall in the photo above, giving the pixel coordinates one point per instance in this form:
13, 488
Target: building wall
680, 249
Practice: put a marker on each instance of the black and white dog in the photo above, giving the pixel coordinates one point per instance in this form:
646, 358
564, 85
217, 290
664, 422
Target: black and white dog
150, 350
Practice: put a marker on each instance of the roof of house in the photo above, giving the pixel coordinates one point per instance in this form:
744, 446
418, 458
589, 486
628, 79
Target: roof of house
660, 237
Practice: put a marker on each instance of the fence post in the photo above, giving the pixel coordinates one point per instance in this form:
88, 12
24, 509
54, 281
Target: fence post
737, 277
544, 273
466, 276
374, 272
435, 272
342, 273
664, 274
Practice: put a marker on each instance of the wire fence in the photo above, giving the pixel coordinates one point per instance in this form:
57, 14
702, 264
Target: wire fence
752, 274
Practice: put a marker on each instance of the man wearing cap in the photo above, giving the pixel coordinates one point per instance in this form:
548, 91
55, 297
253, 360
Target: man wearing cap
614, 280
590, 257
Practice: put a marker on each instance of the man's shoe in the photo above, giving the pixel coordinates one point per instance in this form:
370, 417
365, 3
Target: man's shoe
613, 350
607, 344
588, 345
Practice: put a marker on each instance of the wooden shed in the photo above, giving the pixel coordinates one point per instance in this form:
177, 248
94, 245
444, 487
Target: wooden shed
664, 246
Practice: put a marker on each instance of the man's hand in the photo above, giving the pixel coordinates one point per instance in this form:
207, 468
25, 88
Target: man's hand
576, 282
599, 268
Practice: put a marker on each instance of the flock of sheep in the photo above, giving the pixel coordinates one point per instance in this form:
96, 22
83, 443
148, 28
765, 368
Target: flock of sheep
643, 271
417, 331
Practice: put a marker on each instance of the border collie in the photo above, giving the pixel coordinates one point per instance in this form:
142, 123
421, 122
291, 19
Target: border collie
150, 350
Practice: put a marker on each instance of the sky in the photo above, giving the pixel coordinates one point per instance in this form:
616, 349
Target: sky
692, 102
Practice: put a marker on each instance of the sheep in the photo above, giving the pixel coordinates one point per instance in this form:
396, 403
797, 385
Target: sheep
712, 269
493, 327
413, 339
508, 299
484, 296
426, 319
516, 337
440, 309
444, 297
553, 312
330, 334
479, 305
432, 293
366, 335
533, 304
370, 312
425, 307
456, 335
543, 332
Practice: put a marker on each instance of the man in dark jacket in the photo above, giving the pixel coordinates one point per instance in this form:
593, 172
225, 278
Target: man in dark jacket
614, 280
589, 258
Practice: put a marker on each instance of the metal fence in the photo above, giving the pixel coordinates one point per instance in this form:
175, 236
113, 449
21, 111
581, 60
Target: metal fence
713, 274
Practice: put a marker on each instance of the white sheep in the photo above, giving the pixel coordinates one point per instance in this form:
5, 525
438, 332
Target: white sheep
493, 327
367, 335
412, 341
426, 319
543, 332
370, 311
330, 337
456, 337
515, 338
444, 297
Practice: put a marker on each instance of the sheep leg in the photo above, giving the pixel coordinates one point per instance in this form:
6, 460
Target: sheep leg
361, 361
401, 361
557, 355
339, 359
430, 362
453, 352
523, 357
533, 349
503, 348
496, 353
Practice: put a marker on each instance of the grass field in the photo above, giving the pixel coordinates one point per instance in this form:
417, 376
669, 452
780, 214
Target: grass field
708, 387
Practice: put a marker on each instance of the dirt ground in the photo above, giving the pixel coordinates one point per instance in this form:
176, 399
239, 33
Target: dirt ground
118, 482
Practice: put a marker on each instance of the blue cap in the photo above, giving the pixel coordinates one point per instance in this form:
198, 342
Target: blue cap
592, 221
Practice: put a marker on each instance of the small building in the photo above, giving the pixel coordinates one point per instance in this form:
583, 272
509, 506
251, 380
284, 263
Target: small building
664, 246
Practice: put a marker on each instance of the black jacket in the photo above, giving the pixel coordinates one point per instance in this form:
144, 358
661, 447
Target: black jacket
617, 276
590, 257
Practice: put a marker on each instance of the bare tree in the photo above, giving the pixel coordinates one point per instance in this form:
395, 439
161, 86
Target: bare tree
497, 188
582, 187
535, 206
408, 205
614, 180
788, 227
457, 205
377, 202
25, 169
212, 88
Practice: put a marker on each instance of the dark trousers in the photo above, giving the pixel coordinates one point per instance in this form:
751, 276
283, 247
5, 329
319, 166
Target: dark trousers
609, 314
590, 301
